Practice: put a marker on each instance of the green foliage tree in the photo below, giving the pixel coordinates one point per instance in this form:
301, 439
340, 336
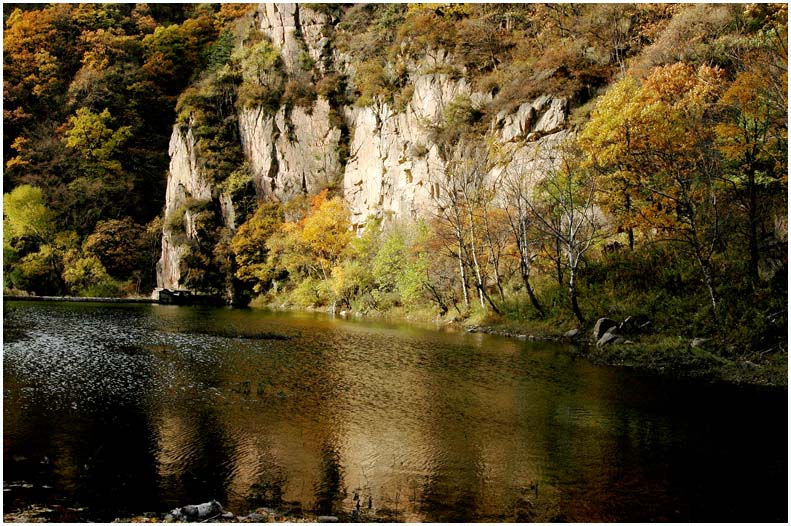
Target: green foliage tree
26, 216
86, 276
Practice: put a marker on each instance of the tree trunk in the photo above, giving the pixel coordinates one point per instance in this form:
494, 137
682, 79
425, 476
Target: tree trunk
493, 256
558, 266
532, 295
708, 278
463, 276
573, 292
443, 308
753, 228
476, 267
630, 230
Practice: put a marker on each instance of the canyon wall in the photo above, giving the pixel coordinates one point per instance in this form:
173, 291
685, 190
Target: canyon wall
384, 160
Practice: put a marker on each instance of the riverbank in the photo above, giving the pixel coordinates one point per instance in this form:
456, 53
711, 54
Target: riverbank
43, 514
676, 356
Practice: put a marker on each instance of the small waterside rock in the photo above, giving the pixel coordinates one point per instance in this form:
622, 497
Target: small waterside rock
193, 512
602, 326
327, 518
573, 333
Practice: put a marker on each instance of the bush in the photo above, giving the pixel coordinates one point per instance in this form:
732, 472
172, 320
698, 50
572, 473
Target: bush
310, 292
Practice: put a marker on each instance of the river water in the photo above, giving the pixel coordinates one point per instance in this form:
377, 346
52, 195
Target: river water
125, 409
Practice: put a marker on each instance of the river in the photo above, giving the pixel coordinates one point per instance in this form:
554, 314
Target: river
124, 409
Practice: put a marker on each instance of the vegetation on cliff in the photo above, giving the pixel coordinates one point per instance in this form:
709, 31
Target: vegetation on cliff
89, 98
668, 204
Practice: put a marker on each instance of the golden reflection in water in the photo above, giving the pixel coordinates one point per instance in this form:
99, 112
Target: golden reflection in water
435, 427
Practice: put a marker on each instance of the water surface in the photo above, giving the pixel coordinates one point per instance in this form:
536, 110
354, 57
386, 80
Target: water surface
125, 409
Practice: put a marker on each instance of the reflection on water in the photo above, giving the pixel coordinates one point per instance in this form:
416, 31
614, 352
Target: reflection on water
124, 409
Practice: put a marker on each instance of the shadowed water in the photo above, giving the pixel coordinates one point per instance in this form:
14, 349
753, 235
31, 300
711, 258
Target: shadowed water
125, 409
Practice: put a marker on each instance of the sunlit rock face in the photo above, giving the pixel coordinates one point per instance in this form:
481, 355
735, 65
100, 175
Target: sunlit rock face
185, 180
291, 153
383, 159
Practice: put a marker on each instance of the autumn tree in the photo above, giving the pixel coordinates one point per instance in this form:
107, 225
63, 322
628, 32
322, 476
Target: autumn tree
654, 140
310, 247
564, 206
463, 192
125, 249
517, 185
753, 138
249, 246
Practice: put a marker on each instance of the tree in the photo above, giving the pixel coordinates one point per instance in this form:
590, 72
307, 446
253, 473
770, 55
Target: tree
249, 246
517, 197
86, 276
91, 136
568, 193
326, 231
657, 140
125, 249
464, 196
310, 247
753, 138
26, 216
607, 138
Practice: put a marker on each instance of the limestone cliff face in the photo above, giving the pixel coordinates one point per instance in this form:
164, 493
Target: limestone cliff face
186, 184
392, 167
291, 153
184, 180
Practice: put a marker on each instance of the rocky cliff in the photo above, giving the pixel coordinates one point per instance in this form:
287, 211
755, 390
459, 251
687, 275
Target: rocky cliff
384, 159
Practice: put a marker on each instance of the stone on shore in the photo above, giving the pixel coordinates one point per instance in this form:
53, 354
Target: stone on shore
602, 326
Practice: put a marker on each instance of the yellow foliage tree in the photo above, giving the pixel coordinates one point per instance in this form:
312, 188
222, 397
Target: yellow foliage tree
650, 143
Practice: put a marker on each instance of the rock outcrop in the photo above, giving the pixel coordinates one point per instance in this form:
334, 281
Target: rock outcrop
185, 181
292, 152
383, 159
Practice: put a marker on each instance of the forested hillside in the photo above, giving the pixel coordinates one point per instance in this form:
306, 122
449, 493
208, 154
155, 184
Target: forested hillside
554, 163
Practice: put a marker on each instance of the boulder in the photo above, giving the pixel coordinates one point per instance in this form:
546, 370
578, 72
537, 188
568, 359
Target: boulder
196, 511
571, 334
327, 518
698, 342
602, 326
608, 338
